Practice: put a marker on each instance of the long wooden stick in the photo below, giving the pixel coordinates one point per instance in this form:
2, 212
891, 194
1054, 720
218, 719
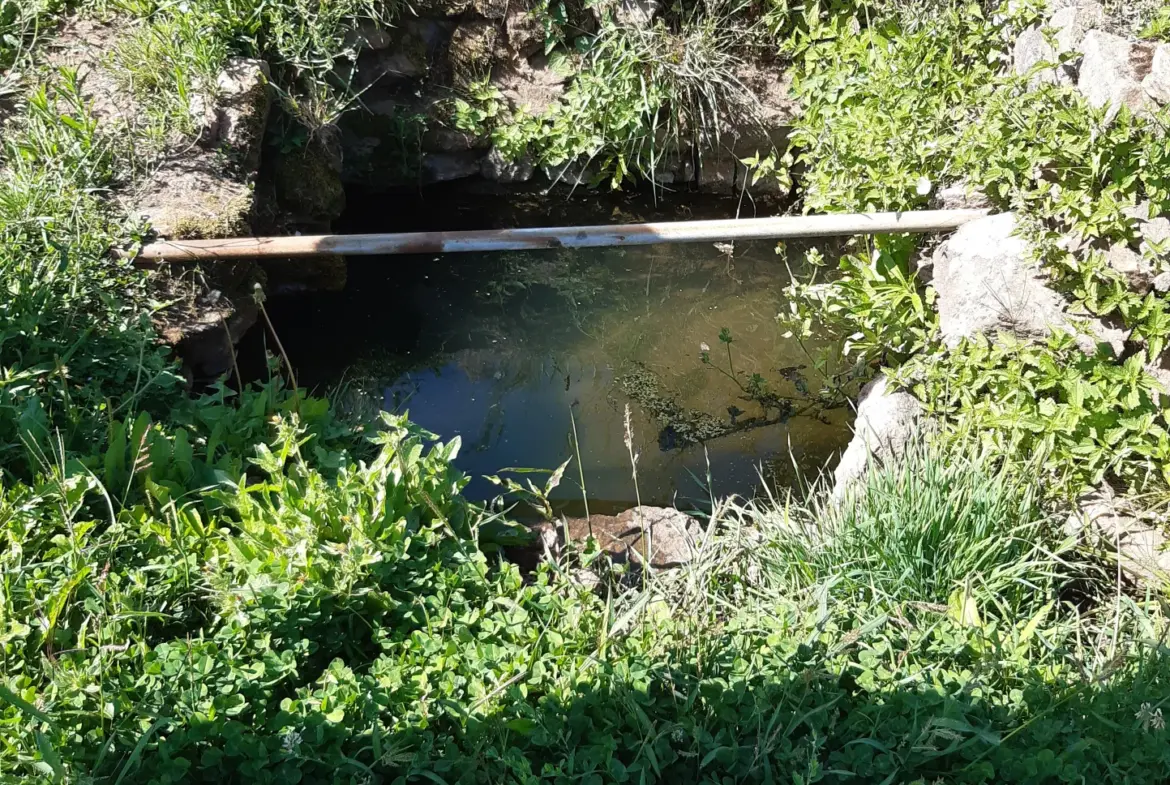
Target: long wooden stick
778, 228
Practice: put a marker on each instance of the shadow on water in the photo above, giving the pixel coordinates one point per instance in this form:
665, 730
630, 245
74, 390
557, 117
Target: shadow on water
511, 350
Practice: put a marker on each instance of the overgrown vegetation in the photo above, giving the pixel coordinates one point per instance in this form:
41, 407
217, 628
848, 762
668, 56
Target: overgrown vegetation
887, 127
240, 587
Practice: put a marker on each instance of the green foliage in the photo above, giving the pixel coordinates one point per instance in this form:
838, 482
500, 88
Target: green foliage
22, 23
892, 115
640, 96
935, 525
72, 343
235, 588
1091, 417
178, 50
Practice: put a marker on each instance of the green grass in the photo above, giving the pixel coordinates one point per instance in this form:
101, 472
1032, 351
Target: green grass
935, 526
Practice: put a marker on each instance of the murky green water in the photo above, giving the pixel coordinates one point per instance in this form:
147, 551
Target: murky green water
510, 351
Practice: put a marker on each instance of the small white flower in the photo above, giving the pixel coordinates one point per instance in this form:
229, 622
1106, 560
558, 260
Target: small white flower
924, 186
291, 741
1150, 718
703, 347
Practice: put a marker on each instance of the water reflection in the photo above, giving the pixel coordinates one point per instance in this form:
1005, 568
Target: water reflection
508, 351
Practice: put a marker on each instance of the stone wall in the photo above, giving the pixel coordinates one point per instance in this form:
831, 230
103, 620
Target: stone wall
403, 136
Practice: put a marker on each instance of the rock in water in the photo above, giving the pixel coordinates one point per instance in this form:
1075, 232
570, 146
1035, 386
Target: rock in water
667, 534
886, 423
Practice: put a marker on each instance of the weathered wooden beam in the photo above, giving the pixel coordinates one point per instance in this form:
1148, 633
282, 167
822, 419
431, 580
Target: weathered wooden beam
777, 228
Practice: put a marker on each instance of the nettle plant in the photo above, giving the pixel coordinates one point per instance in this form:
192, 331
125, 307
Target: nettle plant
935, 107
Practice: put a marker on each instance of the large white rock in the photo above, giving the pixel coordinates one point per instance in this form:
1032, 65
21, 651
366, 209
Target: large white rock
1031, 49
1137, 270
1157, 81
1072, 23
886, 422
1062, 35
1112, 71
1136, 538
986, 283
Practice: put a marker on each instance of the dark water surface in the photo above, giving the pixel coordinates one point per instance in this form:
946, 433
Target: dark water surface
507, 350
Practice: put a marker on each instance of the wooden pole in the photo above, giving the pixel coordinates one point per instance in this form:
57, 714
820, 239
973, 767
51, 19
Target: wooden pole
777, 228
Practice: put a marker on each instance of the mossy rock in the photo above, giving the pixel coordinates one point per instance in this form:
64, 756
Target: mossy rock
194, 199
308, 183
472, 51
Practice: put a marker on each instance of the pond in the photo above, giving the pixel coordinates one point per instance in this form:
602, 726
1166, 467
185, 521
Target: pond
533, 357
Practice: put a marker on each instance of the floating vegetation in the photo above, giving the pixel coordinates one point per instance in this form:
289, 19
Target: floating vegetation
683, 427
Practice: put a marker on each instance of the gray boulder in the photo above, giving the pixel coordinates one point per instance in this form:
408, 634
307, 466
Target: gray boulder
986, 283
1157, 82
1136, 538
1137, 270
1153, 229
1072, 23
1112, 72
1067, 27
663, 536
1031, 49
498, 169
886, 422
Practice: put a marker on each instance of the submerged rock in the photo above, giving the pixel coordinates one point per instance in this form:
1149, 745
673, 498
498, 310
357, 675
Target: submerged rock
444, 167
662, 536
887, 421
498, 169
315, 274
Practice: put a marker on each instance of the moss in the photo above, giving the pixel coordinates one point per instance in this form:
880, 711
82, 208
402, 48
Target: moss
211, 219
308, 184
470, 54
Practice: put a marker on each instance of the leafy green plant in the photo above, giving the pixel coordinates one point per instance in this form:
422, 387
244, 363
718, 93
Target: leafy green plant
1092, 418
